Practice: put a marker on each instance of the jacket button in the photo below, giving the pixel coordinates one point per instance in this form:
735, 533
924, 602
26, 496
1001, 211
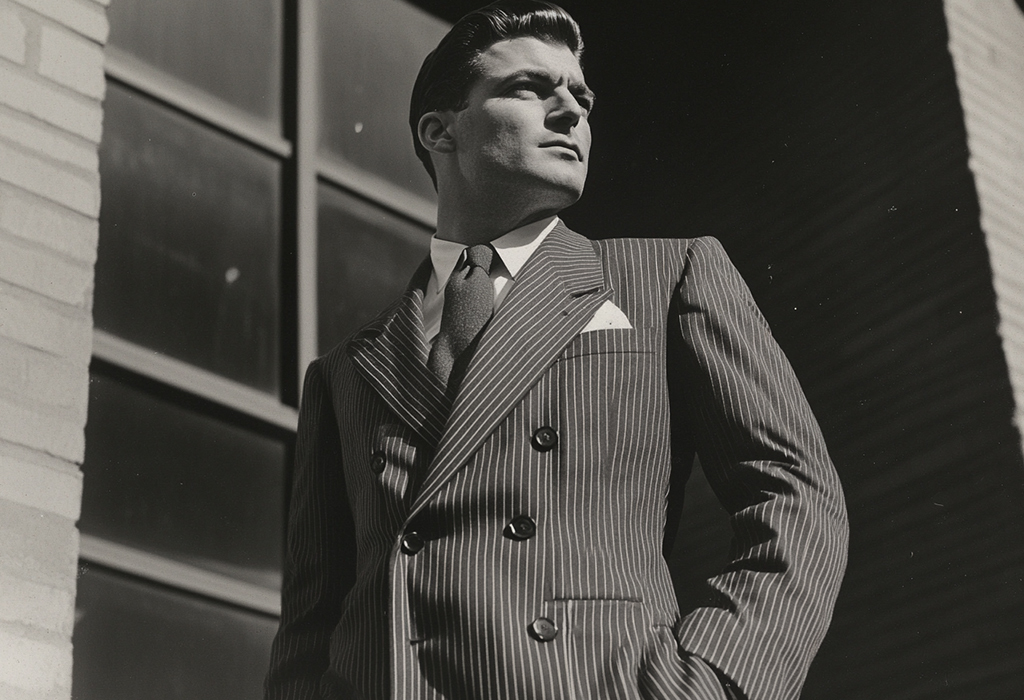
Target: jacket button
378, 460
544, 439
522, 527
543, 630
412, 542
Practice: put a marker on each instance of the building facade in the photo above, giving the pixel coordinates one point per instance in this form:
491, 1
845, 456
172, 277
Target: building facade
260, 199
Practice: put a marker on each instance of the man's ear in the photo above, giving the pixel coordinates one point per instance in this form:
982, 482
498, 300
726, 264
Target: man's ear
434, 133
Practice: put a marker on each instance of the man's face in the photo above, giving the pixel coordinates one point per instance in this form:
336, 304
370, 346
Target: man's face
524, 132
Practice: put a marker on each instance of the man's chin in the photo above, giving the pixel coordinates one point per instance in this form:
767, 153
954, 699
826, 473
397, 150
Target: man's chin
562, 192
547, 205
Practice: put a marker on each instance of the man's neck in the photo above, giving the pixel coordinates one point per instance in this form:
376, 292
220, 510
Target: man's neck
472, 228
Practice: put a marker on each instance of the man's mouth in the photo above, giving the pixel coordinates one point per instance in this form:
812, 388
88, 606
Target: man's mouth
566, 145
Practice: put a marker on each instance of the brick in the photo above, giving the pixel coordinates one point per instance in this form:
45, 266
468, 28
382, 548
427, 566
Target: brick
83, 17
34, 665
39, 380
40, 270
14, 368
46, 140
38, 546
53, 381
12, 36
57, 491
56, 435
49, 180
36, 605
74, 113
46, 224
30, 321
8, 692
72, 61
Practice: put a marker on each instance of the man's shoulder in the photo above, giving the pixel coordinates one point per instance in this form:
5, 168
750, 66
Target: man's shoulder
674, 246
376, 325
330, 359
639, 248
652, 253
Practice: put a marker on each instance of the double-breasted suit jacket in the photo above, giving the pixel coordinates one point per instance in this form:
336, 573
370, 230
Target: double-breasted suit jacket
507, 542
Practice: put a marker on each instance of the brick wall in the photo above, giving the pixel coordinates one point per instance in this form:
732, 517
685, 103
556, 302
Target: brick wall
51, 87
986, 40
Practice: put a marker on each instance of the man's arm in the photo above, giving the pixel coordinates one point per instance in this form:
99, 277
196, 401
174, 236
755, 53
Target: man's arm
764, 456
320, 557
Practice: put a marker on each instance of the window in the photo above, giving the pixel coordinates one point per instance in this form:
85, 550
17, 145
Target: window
261, 200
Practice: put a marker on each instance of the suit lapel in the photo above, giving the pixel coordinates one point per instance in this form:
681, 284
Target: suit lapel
554, 297
391, 354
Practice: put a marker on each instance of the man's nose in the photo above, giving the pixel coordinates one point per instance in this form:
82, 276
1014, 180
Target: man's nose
567, 110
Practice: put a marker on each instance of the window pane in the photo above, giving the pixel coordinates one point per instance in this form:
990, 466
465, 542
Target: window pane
189, 236
365, 259
370, 52
134, 641
182, 485
230, 49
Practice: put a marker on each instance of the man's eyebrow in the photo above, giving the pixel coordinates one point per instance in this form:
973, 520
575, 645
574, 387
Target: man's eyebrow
531, 73
578, 88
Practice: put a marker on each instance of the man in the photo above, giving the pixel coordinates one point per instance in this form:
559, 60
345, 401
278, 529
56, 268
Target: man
485, 474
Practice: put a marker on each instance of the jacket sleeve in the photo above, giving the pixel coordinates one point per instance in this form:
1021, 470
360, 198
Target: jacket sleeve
320, 551
764, 456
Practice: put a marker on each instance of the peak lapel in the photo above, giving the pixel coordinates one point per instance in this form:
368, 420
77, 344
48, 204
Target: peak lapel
391, 354
554, 297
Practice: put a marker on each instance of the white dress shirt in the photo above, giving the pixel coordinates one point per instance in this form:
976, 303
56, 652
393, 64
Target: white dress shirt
513, 248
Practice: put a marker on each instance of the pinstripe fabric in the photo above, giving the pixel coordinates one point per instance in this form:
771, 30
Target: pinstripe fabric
698, 370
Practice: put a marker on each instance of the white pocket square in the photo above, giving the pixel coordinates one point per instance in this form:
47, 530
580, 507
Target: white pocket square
607, 316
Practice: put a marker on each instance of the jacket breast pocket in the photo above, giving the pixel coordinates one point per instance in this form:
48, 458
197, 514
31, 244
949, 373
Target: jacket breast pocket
612, 341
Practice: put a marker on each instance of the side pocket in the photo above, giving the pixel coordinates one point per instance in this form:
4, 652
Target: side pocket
665, 673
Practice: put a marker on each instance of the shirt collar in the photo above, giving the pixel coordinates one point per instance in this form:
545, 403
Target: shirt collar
514, 248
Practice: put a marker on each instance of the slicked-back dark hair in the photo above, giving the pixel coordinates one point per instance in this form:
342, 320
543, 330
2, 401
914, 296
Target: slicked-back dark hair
449, 71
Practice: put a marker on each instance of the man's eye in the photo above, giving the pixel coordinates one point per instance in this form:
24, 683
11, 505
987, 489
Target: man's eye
523, 87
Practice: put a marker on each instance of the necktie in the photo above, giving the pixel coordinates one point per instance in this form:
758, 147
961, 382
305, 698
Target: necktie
468, 305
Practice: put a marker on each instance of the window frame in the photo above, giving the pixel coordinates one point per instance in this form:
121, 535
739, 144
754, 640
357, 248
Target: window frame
305, 169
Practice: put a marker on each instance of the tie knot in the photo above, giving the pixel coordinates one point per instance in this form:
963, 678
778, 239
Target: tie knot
480, 256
